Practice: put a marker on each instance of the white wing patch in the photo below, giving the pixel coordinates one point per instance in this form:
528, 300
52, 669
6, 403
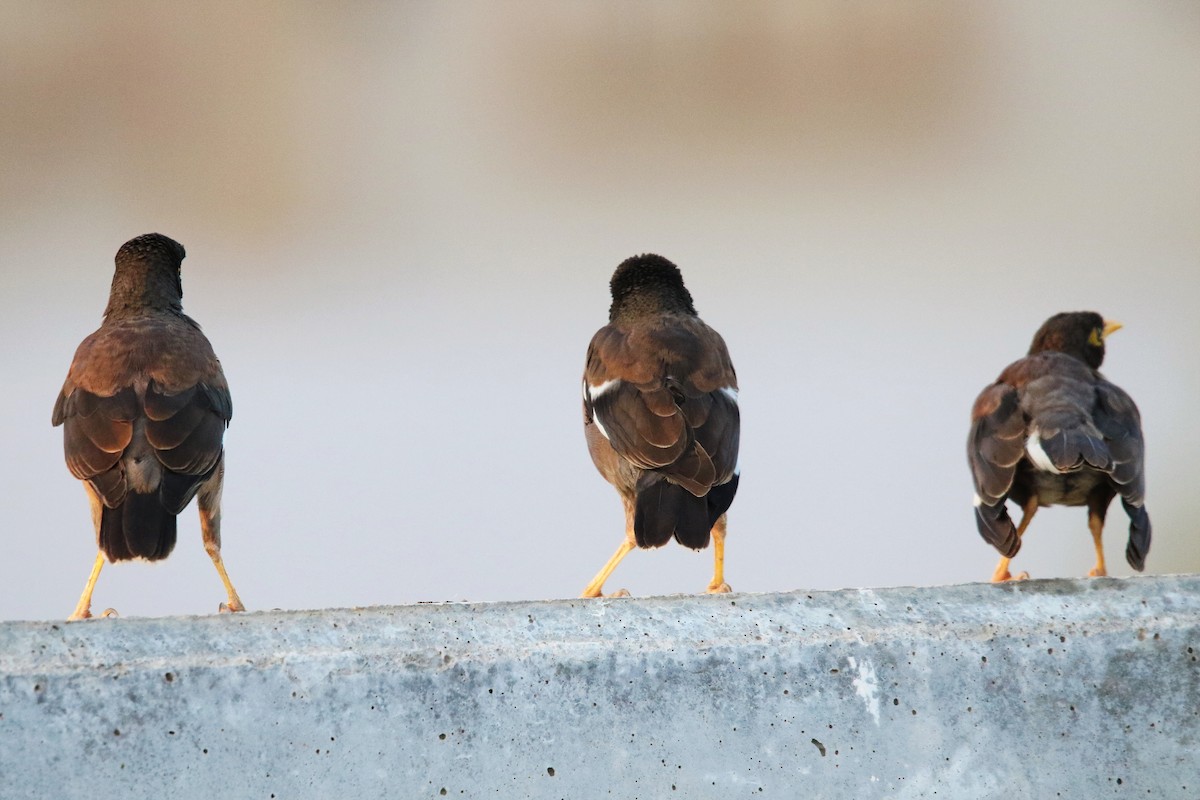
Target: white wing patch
1037, 454
590, 393
603, 388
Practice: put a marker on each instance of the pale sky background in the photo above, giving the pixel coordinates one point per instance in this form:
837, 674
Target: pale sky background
401, 220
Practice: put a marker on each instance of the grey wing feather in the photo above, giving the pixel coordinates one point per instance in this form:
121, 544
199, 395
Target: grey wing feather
1118, 419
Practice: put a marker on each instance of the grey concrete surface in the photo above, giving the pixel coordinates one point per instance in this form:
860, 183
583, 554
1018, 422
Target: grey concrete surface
1066, 688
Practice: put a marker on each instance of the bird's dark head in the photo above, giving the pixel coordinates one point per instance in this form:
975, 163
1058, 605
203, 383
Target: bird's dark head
1077, 333
147, 276
648, 284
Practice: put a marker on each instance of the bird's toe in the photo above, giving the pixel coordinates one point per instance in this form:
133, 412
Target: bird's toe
719, 588
231, 608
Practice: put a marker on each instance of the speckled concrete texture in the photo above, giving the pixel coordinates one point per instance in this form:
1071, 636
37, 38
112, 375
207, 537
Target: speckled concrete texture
1042, 689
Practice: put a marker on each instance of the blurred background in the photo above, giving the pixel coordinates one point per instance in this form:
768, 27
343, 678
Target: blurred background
401, 220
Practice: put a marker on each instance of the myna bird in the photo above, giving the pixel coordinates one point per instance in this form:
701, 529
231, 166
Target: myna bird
1052, 431
144, 409
660, 415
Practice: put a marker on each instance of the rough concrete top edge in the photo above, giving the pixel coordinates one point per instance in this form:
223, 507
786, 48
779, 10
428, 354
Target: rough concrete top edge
513, 629
1037, 586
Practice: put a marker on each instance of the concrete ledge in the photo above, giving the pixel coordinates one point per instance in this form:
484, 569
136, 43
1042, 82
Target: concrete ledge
1074, 689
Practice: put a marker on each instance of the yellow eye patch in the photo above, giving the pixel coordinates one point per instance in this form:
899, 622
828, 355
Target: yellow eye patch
1096, 338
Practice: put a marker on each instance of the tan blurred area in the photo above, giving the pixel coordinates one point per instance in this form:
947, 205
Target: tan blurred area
401, 220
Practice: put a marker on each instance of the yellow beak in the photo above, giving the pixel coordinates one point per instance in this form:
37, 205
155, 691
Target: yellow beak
1110, 326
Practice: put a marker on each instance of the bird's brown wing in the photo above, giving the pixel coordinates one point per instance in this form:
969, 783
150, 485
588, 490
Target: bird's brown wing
996, 441
98, 429
186, 430
664, 395
995, 445
156, 380
1117, 417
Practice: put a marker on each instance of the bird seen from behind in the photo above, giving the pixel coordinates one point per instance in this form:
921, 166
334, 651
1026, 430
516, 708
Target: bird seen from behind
661, 419
144, 410
1053, 431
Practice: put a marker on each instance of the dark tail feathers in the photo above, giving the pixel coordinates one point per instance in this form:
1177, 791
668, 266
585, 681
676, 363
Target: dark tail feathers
138, 528
1139, 536
664, 510
997, 528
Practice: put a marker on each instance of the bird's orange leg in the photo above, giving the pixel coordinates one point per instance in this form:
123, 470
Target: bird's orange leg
235, 602
208, 500
83, 610
718, 585
1096, 526
596, 587
1002, 574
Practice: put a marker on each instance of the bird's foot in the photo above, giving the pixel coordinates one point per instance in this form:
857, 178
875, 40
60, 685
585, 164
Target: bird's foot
231, 607
719, 588
1006, 577
86, 613
598, 593
1097, 572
